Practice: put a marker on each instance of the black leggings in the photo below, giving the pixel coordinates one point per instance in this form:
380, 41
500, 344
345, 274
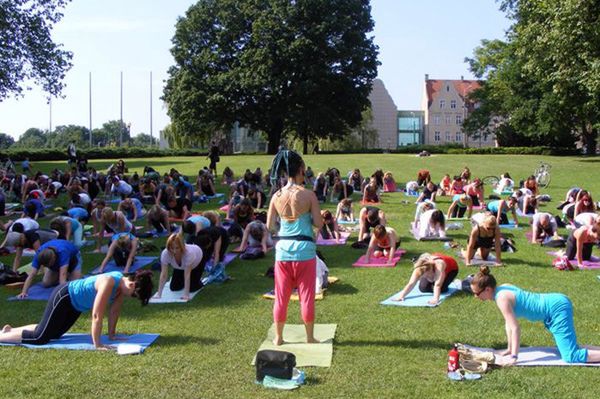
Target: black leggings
571, 251
121, 256
58, 318
458, 212
475, 199
178, 280
427, 286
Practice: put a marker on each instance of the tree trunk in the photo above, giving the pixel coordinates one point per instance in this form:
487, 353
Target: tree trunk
305, 145
589, 136
275, 132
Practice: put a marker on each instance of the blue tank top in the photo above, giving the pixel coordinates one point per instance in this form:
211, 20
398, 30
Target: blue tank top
530, 305
83, 292
200, 219
295, 250
493, 206
456, 198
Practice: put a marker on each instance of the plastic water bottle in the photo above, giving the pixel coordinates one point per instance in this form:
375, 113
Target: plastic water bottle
453, 357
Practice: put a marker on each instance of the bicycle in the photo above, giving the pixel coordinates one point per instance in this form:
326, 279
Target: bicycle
542, 175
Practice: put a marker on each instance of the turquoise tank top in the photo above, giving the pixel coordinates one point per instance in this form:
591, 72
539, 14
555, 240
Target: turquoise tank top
200, 219
493, 206
530, 305
83, 292
295, 250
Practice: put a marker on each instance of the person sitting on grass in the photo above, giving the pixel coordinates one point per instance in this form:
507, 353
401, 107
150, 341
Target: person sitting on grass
461, 204
500, 208
62, 262
544, 227
186, 261
371, 193
69, 300
123, 248
445, 185
383, 243
429, 192
484, 236
555, 310
344, 211
457, 186
330, 229
389, 184
506, 183
434, 273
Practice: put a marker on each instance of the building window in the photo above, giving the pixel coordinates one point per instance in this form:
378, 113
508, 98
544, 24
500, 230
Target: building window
448, 119
436, 120
485, 136
436, 136
453, 104
447, 87
442, 104
458, 136
459, 119
447, 136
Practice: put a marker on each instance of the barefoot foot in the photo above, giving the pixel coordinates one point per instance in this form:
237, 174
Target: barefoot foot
6, 328
312, 340
278, 341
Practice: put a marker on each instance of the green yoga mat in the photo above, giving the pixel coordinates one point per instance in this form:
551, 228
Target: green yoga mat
25, 268
294, 335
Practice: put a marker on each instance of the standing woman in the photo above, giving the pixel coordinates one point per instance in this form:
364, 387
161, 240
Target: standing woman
555, 310
295, 252
69, 300
186, 260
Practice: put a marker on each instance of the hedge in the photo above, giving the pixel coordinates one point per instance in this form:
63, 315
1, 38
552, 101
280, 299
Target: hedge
457, 149
58, 154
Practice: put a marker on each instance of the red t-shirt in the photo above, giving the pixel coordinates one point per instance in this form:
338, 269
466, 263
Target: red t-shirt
448, 260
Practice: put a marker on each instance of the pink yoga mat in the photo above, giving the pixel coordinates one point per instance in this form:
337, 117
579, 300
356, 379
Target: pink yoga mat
593, 263
343, 238
224, 208
379, 262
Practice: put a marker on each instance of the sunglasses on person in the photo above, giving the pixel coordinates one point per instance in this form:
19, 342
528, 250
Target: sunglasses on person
478, 293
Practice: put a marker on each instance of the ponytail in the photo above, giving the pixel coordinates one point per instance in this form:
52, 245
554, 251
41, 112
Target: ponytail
286, 162
484, 279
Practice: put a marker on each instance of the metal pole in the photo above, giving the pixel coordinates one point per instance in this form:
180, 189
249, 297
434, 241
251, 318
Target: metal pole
121, 125
151, 140
90, 109
50, 109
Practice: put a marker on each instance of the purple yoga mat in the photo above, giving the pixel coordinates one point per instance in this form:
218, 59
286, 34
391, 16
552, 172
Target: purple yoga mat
343, 238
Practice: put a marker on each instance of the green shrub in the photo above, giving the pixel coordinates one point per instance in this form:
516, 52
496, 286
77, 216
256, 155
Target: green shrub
57, 154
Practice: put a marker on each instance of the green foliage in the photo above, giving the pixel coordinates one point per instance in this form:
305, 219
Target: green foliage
273, 65
27, 52
55, 154
143, 140
62, 136
32, 138
543, 83
6, 141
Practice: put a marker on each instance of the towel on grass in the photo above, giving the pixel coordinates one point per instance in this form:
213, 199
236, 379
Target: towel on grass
381, 261
416, 298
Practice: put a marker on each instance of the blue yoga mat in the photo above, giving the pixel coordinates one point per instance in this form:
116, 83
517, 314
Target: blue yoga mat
83, 342
416, 298
138, 263
37, 292
511, 225
227, 259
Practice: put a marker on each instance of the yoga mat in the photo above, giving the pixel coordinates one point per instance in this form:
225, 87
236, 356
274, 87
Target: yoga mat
28, 252
127, 344
138, 263
216, 196
525, 215
37, 292
169, 296
294, 335
411, 194
224, 208
416, 298
330, 280
363, 203
477, 261
114, 200
352, 222
505, 192
463, 219
227, 259
478, 207
343, 238
380, 262
540, 356
12, 205
593, 263
511, 225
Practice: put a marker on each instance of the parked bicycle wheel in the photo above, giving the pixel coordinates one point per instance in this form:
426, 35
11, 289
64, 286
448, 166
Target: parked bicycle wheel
543, 179
490, 180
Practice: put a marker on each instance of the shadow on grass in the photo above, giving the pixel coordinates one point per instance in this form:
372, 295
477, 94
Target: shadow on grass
167, 163
175, 340
411, 344
520, 262
342, 289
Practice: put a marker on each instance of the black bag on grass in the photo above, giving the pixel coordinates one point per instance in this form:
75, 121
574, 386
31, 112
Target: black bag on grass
278, 364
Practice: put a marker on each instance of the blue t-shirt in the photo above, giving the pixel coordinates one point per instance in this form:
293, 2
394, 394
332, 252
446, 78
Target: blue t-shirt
78, 213
66, 254
493, 206
83, 291
200, 219
115, 237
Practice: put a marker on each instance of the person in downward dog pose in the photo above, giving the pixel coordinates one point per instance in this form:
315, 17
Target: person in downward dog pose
295, 252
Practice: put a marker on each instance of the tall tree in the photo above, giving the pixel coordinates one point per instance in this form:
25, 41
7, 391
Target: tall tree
27, 51
548, 69
278, 66
6, 141
32, 138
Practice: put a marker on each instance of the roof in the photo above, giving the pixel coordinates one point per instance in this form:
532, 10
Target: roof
462, 87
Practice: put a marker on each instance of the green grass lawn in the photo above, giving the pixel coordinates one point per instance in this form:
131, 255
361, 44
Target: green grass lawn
206, 346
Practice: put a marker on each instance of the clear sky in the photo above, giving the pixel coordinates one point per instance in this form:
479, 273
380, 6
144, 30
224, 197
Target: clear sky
134, 36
